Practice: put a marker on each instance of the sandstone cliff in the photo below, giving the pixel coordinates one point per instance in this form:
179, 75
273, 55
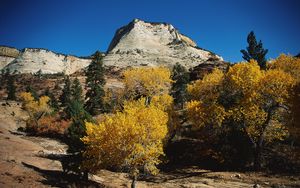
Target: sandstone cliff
143, 43
31, 60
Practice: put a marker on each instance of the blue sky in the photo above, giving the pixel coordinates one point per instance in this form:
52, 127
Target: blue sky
82, 27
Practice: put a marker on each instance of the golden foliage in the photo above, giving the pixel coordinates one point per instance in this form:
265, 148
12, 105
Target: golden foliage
291, 65
131, 139
207, 88
245, 94
288, 64
147, 81
204, 109
33, 107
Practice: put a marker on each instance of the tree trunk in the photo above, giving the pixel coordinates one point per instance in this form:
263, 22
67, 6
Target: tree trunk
257, 157
133, 183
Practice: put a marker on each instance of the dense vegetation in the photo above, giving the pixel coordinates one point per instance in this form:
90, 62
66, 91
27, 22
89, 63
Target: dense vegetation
237, 113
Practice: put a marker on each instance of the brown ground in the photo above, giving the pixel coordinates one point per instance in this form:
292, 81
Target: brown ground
20, 165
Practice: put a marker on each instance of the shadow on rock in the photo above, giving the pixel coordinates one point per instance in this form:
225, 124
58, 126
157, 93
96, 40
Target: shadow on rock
61, 179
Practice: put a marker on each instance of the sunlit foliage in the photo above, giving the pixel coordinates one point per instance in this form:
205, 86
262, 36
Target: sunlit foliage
252, 99
291, 65
131, 139
147, 81
33, 107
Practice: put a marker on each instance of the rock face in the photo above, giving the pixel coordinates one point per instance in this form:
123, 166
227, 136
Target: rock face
199, 71
7, 55
152, 44
31, 60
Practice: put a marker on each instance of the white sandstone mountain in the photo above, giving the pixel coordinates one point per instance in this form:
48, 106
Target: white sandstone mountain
143, 43
139, 43
31, 60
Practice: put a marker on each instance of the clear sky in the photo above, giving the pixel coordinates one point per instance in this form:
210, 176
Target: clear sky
82, 27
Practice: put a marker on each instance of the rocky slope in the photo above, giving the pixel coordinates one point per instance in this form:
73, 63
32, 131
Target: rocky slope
31, 60
143, 43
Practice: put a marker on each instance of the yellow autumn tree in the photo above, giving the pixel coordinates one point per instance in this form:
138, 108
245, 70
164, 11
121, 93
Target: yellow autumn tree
204, 109
131, 139
147, 81
291, 65
154, 84
254, 100
35, 108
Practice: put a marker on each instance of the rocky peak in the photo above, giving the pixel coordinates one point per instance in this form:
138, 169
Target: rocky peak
143, 43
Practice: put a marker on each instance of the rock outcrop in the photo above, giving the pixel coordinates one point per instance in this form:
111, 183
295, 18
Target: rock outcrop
31, 60
199, 71
143, 43
7, 55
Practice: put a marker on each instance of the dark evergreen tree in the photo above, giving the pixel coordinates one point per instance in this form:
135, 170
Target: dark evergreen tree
181, 77
53, 101
65, 97
32, 91
77, 91
10, 86
3, 82
255, 51
95, 82
77, 129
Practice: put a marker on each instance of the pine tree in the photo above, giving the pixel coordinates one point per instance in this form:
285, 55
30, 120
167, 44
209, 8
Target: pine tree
65, 97
77, 130
181, 77
77, 91
11, 87
95, 82
255, 51
2, 83
53, 101
32, 91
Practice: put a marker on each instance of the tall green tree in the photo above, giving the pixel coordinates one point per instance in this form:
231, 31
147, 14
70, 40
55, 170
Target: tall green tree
77, 130
2, 80
255, 51
11, 87
181, 78
95, 82
76, 91
65, 97
53, 101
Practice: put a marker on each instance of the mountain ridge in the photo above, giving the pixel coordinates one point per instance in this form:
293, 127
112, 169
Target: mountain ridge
139, 43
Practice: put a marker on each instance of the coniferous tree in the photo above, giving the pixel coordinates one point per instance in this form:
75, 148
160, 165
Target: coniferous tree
2, 83
77, 130
65, 97
11, 87
32, 91
76, 90
255, 51
181, 77
95, 82
53, 101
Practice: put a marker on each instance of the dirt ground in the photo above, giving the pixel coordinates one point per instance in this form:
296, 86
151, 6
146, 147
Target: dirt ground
21, 165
